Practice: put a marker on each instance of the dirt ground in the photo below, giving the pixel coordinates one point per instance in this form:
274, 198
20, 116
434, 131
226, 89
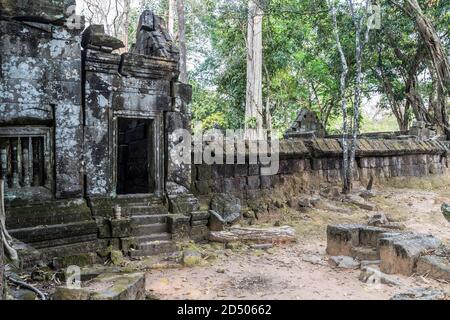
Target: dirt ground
301, 270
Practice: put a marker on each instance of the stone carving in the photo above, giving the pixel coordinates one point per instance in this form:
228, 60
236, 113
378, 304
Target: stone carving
306, 125
227, 206
152, 38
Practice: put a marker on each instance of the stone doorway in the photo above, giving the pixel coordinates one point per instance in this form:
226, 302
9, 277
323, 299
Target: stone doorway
135, 154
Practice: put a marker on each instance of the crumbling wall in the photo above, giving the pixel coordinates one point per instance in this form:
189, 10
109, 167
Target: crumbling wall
307, 164
41, 85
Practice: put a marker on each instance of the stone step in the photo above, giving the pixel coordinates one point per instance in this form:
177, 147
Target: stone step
365, 253
153, 247
145, 210
55, 231
133, 242
149, 219
148, 229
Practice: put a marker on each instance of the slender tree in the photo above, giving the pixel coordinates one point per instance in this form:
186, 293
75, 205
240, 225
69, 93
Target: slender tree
126, 22
171, 18
182, 40
254, 103
359, 18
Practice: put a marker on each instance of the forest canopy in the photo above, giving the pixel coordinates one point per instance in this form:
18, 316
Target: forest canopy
404, 64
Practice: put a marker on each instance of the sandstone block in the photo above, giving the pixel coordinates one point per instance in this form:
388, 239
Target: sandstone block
341, 238
400, 253
434, 266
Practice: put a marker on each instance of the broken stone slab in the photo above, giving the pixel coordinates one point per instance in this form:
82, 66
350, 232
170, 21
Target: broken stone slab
373, 276
399, 253
343, 262
227, 206
381, 220
361, 202
422, 294
434, 266
95, 36
315, 259
378, 219
273, 235
107, 286
342, 238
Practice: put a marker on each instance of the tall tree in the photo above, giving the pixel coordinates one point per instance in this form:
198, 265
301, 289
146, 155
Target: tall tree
126, 22
171, 18
438, 57
360, 18
343, 87
254, 102
182, 40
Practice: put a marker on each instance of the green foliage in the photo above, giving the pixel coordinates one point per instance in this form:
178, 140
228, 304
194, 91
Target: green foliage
301, 65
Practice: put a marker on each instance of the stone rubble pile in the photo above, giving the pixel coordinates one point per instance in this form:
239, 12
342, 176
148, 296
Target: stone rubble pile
397, 252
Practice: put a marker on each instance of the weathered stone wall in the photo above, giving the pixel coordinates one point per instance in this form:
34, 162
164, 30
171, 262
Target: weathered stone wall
310, 163
129, 86
41, 85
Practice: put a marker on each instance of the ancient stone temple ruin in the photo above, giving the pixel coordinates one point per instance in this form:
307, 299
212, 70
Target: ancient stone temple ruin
89, 150
85, 134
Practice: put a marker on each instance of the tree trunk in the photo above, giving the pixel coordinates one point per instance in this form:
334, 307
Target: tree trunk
182, 41
254, 104
126, 23
343, 88
437, 54
171, 18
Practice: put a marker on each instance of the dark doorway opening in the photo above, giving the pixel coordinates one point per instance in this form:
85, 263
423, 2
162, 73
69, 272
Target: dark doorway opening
135, 156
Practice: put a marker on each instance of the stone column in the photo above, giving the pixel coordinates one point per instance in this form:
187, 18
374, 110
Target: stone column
178, 173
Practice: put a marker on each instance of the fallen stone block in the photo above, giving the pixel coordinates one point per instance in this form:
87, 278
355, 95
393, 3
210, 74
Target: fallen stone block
361, 203
255, 235
315, 259
227, 206
399, 253
434, 266
373, 276
381, 220
341, 238
422, 294
343, 262
109, 286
